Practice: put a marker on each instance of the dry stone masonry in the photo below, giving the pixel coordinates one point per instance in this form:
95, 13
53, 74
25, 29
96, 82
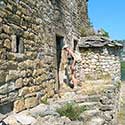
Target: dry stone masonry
28, 72
32, 34
100, 58
101, 109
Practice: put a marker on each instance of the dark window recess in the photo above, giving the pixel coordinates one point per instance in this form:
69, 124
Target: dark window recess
75, 44
19, 44
4, 109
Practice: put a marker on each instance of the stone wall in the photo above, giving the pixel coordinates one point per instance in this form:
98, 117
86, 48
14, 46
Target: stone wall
100, 63
26, 71
100, 109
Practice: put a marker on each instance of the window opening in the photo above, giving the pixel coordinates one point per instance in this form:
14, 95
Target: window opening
75, 44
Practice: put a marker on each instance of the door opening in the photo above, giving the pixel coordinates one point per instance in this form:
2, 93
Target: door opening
59, 45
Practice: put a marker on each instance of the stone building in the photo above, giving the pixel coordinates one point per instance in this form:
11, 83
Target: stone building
32, 33
100, 58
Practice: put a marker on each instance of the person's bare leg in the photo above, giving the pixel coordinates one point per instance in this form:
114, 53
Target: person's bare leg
73, 66
74, 80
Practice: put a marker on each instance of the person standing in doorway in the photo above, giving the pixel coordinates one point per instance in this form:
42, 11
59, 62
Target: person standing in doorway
71, 60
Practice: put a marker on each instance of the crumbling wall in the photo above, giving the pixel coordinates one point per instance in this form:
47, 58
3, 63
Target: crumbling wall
100, 63
26, 71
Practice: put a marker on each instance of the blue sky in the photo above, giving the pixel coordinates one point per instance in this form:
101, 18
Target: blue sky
109, 15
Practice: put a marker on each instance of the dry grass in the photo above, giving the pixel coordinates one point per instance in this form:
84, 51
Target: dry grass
121, 117
98, 76
96, 83
99, 81
91, 89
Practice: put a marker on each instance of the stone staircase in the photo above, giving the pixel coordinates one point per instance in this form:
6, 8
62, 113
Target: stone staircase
99, 110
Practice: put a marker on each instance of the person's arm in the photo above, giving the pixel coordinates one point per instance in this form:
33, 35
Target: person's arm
72, 53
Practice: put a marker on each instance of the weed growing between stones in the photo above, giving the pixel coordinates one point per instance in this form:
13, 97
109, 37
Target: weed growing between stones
44, 100
71, 110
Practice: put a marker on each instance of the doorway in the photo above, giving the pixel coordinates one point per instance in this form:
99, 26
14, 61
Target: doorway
59, 45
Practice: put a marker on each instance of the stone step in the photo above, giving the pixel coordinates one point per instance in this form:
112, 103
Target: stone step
96, 121
92, 98
87, 102
90, 105
72, 96
87, 115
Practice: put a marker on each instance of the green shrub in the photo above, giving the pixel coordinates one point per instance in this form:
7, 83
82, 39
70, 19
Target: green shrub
104, 33
71, 110
86, 31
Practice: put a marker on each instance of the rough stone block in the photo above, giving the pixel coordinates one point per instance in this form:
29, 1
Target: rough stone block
7, 43
13, 75
18, 83
31, 102
15, 19
31, 55
28, 64
24, 91
38, 63
2, 14
50, 93
34, 89
4, 36
40, 79
3, 89
11, 65
26, 81
11, 56
3, 75
26, 34
12, 96
6, 29
38, 72
19, 105
23, 73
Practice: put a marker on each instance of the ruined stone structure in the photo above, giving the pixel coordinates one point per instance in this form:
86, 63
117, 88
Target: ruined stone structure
28, 72
32, 34
100, 58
